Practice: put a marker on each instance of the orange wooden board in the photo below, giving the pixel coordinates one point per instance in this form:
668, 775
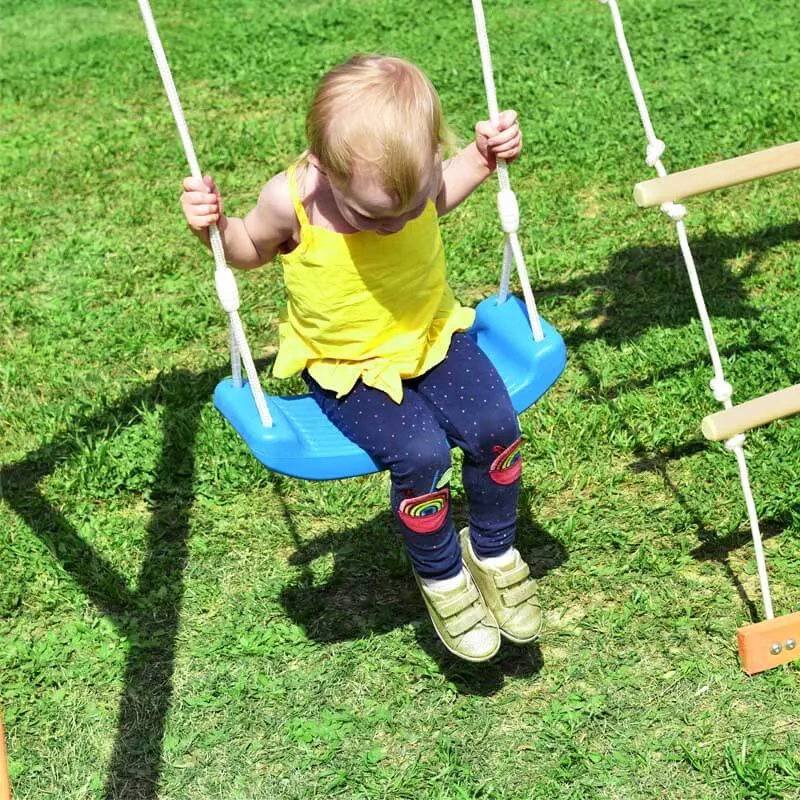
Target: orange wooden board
757, 641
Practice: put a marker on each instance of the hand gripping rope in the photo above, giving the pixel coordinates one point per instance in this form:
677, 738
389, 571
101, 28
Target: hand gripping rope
507, 206
227, 290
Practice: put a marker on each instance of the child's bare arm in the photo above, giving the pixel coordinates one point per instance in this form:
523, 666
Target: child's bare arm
468, 168
461, 175
249, 242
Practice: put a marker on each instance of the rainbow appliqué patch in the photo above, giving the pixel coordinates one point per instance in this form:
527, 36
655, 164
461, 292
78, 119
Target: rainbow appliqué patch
507, 467
426, 513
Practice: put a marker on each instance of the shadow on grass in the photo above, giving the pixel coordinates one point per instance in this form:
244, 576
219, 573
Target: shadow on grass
647, 287
718, 548
381, 594
713, 547
148, 617
372, 591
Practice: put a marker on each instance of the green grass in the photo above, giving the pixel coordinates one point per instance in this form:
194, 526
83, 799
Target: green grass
178, 623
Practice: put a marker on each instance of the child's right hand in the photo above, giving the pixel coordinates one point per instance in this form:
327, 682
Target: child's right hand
201, 203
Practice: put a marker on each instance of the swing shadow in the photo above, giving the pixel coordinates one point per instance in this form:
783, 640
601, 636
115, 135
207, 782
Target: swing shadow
372, 591
148, 617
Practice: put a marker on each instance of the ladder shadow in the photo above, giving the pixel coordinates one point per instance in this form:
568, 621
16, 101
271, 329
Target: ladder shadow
713, 546
647, 287
654, 278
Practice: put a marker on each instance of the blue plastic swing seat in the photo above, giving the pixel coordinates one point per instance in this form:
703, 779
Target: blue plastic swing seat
304, 443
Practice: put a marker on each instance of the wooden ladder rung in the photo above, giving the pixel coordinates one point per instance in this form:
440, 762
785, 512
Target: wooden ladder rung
760, 411
718, 175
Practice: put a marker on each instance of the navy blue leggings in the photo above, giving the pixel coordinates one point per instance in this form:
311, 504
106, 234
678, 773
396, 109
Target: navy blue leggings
462, 402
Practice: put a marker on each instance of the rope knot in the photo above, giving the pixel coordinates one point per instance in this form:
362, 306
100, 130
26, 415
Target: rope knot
721, 388
735, 442
227, 291
655, 150
675, 211
508, 210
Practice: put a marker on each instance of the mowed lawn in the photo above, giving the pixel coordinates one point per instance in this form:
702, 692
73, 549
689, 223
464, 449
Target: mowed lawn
178, 623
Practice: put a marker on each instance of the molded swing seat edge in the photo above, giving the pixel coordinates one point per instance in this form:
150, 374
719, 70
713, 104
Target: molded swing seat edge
304, 443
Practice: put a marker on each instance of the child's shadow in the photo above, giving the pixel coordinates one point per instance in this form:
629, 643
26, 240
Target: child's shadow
370, 589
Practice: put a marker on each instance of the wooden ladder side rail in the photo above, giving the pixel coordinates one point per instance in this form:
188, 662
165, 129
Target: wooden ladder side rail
5, 782
740, 418
718, 175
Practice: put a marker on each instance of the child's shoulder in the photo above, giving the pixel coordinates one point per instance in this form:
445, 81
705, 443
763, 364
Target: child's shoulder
276, 197
277, 190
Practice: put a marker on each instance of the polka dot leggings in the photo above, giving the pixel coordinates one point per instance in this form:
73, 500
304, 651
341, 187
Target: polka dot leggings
461, 402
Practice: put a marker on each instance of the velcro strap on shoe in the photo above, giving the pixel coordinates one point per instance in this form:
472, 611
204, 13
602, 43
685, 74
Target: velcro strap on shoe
516, 575
463, 622
519, 594
448, 608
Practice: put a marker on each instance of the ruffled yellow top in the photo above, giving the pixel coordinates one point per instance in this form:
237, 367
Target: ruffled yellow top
366, 306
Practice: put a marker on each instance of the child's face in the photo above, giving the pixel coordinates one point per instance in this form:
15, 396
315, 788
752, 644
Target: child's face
367, 206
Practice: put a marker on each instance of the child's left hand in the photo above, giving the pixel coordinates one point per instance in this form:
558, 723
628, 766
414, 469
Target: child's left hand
503, 140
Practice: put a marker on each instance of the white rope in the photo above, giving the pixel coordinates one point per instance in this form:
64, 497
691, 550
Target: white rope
505, 275
507, 206
236, 360
227, 290
720, 387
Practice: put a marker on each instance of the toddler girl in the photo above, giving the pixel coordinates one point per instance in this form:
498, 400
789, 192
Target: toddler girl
379, 337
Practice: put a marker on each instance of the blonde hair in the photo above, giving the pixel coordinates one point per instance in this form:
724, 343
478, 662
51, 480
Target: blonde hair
378, 110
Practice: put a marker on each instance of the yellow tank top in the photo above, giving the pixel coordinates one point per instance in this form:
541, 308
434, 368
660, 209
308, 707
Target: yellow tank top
366, 306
